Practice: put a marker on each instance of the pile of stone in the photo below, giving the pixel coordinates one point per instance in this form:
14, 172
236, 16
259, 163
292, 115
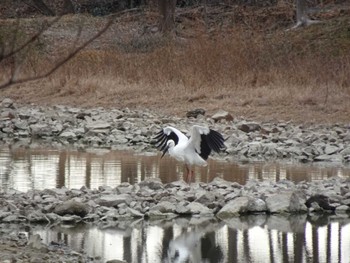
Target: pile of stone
134, 129
153, 200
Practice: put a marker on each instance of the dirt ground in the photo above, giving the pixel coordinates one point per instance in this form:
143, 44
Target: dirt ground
264, 99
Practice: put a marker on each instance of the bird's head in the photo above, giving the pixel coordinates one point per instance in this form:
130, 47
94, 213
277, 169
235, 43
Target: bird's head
170, 144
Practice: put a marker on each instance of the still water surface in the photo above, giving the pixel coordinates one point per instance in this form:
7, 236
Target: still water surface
251, 239
39, 168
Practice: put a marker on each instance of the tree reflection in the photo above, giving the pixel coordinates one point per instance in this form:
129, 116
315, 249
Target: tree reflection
288, 239
23, 168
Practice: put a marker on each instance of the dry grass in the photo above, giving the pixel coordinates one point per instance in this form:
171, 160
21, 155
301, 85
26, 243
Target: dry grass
300, 75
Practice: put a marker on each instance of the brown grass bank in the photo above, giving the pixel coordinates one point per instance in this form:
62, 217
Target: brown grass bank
301, 75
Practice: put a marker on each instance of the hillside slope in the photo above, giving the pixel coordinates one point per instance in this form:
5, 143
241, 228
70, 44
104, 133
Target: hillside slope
240, 59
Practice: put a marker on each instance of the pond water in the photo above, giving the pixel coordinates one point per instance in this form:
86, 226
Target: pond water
39, 168
250, 239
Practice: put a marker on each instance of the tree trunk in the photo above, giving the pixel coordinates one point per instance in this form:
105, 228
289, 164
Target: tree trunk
43, 8
167, 15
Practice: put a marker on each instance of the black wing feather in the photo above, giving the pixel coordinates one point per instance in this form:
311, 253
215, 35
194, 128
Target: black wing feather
161, 139
205, 147
215, 141
211, 141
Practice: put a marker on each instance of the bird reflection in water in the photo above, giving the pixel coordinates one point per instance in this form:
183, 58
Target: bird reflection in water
194, 247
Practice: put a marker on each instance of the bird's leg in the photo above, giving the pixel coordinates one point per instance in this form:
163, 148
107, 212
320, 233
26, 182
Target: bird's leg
187, 173
190, 176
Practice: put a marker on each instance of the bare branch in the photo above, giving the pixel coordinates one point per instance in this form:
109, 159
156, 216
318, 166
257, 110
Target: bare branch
41, 7
71, 55
32, 39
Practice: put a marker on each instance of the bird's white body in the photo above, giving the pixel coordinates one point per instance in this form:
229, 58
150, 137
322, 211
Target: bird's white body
183, 153
192, 151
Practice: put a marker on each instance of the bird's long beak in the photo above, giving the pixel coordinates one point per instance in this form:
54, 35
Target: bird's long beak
165, 151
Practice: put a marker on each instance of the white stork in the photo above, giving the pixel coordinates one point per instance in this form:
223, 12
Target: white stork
192, 151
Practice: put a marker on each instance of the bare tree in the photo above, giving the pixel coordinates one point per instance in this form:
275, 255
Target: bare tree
167, 15
11, 54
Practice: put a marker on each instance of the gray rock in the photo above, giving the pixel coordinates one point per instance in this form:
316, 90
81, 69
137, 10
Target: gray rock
124, 188
328, 158
152, 183
342, 209
330, 149
197, 208
70, 219
205, 198
156, 214
68, 135
133, 212
164, 207
53, 217
13, 218
195, 113
6, 103
234, 208
182, 208
4, 214
8, 114
178, 184
249, 127
257, 205
220, 183
21, 125
72, 207
98, 125
279, 203
222, 115
318, 202
40, 130
37, 217
113, 200
297, 203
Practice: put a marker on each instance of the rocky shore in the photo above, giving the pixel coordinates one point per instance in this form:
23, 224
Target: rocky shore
62, 126
134, 129
126, 129
152, 200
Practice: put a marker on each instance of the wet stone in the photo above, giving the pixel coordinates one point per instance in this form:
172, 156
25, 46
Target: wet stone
152, 183
37, 217
279, 203
234, 208
72, 207
113, 200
